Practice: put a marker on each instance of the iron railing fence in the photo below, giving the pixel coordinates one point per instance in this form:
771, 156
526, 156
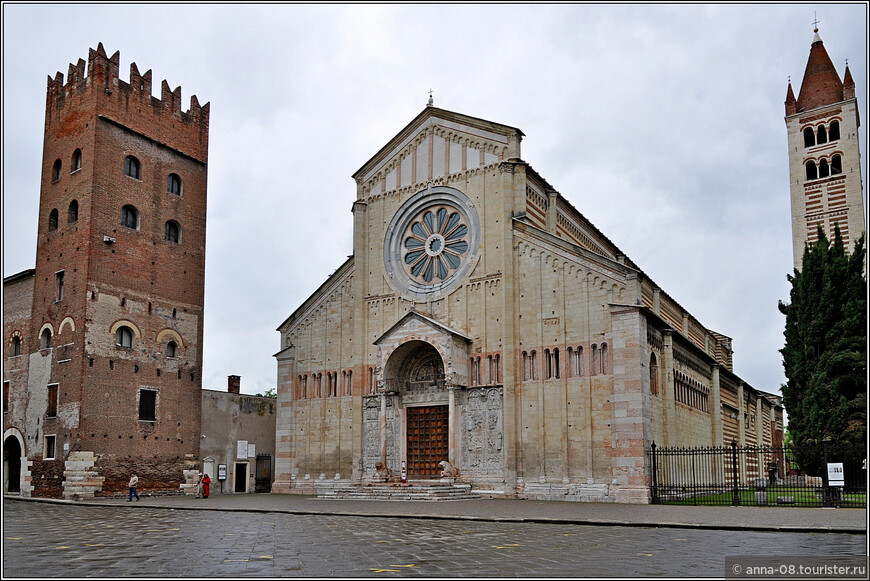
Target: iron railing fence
758, 475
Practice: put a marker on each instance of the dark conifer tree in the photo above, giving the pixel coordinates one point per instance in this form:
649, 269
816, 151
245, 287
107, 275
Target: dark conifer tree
825, 352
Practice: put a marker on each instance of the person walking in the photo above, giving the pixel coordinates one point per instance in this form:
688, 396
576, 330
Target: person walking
134, 482
205, 482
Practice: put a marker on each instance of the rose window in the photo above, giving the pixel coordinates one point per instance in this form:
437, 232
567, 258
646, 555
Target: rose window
434, 244
431, 243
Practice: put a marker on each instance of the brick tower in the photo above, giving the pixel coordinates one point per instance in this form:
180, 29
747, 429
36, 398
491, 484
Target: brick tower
824, 157
119, 282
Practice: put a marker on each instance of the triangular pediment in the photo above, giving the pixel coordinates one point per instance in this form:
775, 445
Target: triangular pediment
435, 144
417, 324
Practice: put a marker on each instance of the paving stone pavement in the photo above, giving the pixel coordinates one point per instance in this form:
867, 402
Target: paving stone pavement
243, 537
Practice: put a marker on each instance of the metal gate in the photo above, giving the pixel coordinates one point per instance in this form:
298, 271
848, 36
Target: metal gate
427, 440
263, 475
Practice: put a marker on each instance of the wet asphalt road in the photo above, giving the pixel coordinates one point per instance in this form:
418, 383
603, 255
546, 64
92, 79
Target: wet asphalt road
53, 540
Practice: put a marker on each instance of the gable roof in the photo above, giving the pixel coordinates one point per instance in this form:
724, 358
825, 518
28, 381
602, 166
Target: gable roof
412, 314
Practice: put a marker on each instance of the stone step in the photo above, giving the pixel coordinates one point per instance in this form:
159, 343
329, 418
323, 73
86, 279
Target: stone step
426, 492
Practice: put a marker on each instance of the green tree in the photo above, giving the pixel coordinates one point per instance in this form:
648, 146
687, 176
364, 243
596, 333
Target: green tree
825, 352
268, 393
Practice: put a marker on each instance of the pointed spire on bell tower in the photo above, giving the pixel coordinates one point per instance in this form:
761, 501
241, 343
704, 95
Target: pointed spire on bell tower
821, 84
790, 102
848, 83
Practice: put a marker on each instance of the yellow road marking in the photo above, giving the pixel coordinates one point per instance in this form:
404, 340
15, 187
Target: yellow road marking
265, 557
95, 544
412, 565
61, 547
511, 546
644, 554
13, 538
236, 560
385, 570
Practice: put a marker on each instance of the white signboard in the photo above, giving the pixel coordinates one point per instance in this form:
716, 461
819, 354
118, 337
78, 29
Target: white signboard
252, 450
241, 449
835, 474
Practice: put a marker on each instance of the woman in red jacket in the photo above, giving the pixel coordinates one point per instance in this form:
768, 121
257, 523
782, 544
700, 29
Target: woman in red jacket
205, 482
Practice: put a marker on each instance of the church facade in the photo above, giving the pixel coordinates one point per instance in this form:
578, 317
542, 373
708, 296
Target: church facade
482, 320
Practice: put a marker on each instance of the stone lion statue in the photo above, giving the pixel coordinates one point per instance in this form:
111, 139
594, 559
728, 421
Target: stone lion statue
448, 471
382, 473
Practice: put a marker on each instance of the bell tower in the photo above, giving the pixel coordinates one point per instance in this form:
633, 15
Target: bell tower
824, 155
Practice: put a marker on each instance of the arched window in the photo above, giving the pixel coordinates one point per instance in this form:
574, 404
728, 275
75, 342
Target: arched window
172, 349
533, 368
603, 369
834, 132
52, 220
596, 360
173, 184
823, 135
45, 339
836, 165
15, 348
131, 167
812, 172
809, 137
653, 375
73, 212
172, 232
124, 337
130, 217
823, 169
526, 365
55, 170
76, 161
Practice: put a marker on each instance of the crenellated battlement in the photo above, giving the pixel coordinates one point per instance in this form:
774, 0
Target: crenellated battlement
99, 87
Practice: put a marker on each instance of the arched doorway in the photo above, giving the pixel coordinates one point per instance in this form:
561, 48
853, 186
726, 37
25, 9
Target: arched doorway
416, 373
12, 465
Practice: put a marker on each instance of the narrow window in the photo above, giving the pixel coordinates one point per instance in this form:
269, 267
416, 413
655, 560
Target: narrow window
548, 364
490, 371
124, 337
349, 389
653, 375
534, 366
595, 360
76, 161
834, 133
172, 232
55, 171
58, 286
52, 220
45, 339
526, 374
556, 362
836, 165
371, 380
823, 169
497, 374
73, 212
5, 397
147, 405
51, 409
131, 167
130, 217
603, 368
16, 346
812, 173
809, 137
49, 448
823, 135
172, 349
173, 184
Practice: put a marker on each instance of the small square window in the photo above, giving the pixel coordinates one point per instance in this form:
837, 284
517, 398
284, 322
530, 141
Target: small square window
147, 405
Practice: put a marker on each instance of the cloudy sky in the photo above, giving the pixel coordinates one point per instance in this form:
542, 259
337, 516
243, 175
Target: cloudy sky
662, 124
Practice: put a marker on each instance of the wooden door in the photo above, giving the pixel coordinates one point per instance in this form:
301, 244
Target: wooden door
427, 440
